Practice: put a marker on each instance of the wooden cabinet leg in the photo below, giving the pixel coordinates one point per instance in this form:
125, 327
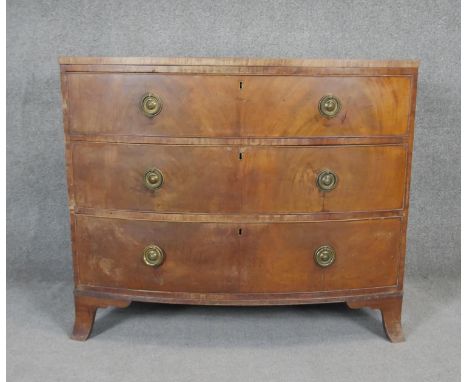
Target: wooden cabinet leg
84, 319
391, 314
85, 312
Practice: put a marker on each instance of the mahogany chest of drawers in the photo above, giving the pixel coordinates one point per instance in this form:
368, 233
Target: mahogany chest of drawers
238, 182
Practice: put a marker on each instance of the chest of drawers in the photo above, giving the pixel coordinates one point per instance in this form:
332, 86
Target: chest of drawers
238, 182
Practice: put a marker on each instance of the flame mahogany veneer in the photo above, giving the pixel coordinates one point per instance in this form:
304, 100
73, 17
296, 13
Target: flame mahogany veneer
229, 181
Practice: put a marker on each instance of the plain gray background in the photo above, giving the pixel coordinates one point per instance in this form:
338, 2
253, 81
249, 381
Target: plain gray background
39, 275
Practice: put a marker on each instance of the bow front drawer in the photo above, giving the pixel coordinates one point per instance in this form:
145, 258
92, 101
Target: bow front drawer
324, 179
156, 177
215, 258
170, 105
230, 179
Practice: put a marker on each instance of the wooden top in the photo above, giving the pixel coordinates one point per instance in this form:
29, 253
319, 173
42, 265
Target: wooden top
230, 61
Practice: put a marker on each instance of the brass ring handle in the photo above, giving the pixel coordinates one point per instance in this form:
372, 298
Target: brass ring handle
329, 106
153, 255
327, 180
153, 179
325, 256
151, 104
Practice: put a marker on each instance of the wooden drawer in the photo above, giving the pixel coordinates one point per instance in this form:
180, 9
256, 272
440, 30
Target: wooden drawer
193, 105
288, 106
219, 106
196, 178
279, 257
284, 179
215, 258
199, 257
214, 179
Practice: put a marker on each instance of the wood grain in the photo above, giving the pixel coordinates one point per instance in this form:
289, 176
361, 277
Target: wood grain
370, 178
199, 257
233, 61
244, 70
248, 258
279, 257
196, 179
242, 141
238, 299
217, 106
239, 218
288, 106
192, 105
226, 179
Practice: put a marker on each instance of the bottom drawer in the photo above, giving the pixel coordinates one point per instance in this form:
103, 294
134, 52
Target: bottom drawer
237, 258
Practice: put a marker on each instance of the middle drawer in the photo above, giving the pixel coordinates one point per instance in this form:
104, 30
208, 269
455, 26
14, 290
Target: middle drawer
231, 179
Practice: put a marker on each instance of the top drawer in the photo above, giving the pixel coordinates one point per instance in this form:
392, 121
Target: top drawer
238, 106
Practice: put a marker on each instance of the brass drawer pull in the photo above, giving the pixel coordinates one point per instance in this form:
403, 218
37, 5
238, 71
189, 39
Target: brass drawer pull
153, 179
325, 256
153, 255
329, 106
327, 180
151, 105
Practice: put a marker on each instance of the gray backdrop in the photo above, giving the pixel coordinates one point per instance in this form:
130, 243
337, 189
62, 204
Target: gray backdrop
182, 343
40, 31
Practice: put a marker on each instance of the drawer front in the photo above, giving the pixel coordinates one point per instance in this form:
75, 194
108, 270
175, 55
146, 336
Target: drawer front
289, 106
215, 258
286, 179
191, 105
213, 179
218, 106
195, 179
280, 257
198, 257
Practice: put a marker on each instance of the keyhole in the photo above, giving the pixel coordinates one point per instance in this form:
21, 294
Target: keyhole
240, 231
240, 156
240, 84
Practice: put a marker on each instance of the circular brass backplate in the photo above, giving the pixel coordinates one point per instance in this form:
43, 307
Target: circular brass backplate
153, 255
329, 106
327, 180
153, 179
325, 256
151, 104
